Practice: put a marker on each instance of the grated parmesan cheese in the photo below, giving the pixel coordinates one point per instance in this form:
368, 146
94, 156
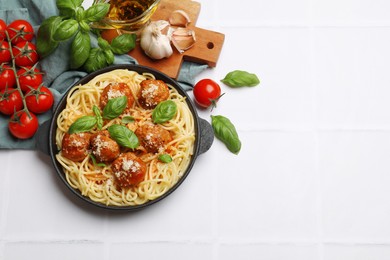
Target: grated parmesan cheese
130, 165
99, 144
113, 93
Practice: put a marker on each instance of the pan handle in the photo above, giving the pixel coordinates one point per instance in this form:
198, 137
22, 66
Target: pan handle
42, 137
206, 135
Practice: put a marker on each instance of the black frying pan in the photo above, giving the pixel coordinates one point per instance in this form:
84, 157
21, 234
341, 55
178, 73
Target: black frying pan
204, 134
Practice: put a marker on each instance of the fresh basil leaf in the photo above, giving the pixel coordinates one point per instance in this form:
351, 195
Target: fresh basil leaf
95, 61
225, 131
45, 43
79, 14
99, 118
83, 124
103, 44
164, 111
109, 56
127, 119
165, 158
69, 4
123, 43
123, 136
84, 26
96, 12
240, 78
68, 8
114, 107
81, 46
95, 163
66, 29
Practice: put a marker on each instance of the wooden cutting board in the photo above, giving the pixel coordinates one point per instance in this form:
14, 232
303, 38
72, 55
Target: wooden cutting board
206, 50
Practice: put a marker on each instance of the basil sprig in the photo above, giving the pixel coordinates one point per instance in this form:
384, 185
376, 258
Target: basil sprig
81, 47
127, 119
114, 107
240, 78
165, 158
164, 111
99, 118
66, 29
225, 131
95, 163
123, 43
45, 42
73, 24
83, 124
123, 136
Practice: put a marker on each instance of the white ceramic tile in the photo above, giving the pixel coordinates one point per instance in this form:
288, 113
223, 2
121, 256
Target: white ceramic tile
185, 214
280, 58
5, 162
246, 12
208, 16
268, 252
351, 11
355, 184
42, 207
351, 77
268, 191
356, 252
162, 250
54, 250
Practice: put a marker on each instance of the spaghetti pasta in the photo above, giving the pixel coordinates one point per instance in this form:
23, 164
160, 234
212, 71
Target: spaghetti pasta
98, 182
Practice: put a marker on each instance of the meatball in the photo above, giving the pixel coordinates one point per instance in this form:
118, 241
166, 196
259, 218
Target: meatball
103, 147
128, 170
75, 146
114, 91
153, 137
152, 92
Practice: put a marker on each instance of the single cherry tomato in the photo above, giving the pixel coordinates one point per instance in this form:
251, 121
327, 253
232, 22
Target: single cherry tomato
3, 27
207, 92
5, 54
29, 78
7, 77
23, 125
10, 101
25, 54
39, 100
19, 31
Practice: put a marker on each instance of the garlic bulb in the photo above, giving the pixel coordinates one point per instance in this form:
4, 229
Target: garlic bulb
155, 44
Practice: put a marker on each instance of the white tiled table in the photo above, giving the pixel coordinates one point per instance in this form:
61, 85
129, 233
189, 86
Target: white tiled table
312, 181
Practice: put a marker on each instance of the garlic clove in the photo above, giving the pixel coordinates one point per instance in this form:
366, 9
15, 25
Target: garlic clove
183, 39
179, 18
162, 25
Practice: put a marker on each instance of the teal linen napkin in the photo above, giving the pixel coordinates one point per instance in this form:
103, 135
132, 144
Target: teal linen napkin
58, 76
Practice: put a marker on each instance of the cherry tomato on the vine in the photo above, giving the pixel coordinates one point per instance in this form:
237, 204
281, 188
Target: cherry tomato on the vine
25, 54
29, 78
23, 126
19, 31
3, 28
39, 100
7, 77
5, 54
207, 92
10, 101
